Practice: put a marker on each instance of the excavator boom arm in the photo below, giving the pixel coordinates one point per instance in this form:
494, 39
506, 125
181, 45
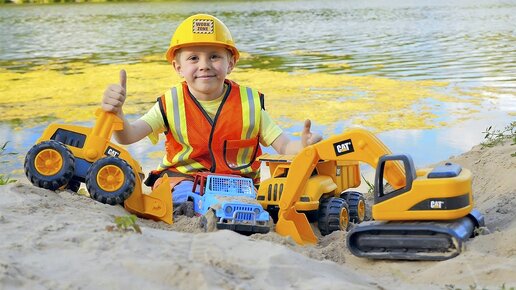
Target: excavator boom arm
353, 145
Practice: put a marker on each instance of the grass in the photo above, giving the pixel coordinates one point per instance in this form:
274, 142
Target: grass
5, 179
370, 185
495, 137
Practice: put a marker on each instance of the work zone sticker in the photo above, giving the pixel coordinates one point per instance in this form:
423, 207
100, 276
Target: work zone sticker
202, 26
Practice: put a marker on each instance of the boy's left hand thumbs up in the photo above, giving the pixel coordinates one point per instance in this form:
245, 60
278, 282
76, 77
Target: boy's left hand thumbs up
307, 136
123, 79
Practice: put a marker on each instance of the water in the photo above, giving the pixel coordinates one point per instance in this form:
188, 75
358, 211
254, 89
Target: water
469, 44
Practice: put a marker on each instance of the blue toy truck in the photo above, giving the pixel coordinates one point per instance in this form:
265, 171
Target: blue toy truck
228, 202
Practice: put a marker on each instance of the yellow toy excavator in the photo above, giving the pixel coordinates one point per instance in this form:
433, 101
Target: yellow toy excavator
427, 216
66, 155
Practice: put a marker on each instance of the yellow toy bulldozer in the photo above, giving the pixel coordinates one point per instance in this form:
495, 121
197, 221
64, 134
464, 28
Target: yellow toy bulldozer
66, 155
427, 216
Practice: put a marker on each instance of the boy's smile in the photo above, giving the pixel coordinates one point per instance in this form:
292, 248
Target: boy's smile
204, 68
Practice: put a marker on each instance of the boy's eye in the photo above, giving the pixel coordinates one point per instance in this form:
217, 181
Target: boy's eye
215, 56
192, 58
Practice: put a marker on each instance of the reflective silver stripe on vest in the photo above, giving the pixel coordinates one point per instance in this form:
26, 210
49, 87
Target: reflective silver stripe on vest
177, 126
248, 100
251, 113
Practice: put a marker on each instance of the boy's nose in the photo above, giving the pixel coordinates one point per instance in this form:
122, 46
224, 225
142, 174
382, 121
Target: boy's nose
204, 63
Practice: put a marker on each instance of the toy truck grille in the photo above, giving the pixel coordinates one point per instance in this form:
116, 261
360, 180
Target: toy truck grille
274, 192
244, 213
231, 185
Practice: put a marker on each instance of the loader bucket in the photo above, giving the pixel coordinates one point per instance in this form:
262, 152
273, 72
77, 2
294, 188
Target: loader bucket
294, 224
156, 205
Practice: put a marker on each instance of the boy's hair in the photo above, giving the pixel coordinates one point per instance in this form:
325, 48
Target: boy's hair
177, 54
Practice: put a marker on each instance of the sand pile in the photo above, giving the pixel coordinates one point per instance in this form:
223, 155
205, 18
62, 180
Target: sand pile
59, 240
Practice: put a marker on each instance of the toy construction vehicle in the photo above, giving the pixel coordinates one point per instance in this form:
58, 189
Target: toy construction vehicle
323, 198
427, 216
66, 155
227, 202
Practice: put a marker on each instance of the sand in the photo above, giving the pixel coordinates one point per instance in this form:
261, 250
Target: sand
60, 240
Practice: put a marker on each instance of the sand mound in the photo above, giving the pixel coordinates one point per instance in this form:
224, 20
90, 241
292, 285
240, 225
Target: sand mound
59, 240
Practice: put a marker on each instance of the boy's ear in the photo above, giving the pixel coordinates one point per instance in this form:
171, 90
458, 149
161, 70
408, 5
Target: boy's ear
231, 64
177, 66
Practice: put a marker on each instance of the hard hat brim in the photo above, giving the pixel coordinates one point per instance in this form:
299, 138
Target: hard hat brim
172, 50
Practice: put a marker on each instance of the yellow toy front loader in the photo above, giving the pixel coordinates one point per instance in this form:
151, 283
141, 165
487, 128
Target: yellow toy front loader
426, 217
66, 155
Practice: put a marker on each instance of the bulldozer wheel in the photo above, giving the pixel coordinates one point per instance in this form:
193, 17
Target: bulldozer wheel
49, 165
357, 205
333, 215
209, 221
110, 180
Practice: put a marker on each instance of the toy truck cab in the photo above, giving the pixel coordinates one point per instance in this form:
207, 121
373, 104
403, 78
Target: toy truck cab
228, 202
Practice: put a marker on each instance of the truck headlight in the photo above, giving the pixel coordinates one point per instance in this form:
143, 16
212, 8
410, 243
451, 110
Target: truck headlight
257, 211
228, 209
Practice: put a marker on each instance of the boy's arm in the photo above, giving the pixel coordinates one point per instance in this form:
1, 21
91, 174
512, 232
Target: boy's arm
112, 101
283, 144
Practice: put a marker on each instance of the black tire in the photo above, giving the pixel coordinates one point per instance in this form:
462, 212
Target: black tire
357, 205
333, 215
120, 169
186, 209
271, 225
73, 185
57, 155
209, 221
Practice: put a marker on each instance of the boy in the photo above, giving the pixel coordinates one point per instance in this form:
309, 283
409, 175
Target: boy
210, 123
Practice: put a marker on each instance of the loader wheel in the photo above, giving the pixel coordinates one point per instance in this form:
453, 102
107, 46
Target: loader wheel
110, 180
357, 205
333, 215
49, 165
209, 221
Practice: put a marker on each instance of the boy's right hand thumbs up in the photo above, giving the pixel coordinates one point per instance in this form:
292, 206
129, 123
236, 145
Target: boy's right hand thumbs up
114, 95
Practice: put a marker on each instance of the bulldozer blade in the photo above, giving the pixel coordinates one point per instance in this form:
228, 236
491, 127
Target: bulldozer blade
296, 225
162, 198
156, 205
435, 241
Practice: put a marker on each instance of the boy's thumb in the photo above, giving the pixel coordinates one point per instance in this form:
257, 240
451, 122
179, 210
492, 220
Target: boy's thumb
123, 79
306, 127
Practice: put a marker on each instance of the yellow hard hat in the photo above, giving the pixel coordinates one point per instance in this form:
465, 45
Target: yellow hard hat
201, 29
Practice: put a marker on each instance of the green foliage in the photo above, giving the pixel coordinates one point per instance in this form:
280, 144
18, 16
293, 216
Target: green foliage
126, 223
506, 288
5, 179
494, 137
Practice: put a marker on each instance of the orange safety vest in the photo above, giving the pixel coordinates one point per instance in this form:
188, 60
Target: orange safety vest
227, 144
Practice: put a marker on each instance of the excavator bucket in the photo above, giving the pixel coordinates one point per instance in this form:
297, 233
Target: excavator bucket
290, 222
156, 205
294, 224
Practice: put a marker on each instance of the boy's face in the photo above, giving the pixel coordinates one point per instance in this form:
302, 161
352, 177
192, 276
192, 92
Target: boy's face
204, 69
